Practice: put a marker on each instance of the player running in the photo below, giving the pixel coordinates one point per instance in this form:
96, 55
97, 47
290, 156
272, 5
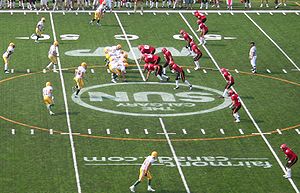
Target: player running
203, 31
79, 75
229, 79
235, 106
99, 13
48, 97
179, 74
52, 55
291, 158
145, 172
7, 55
39, 29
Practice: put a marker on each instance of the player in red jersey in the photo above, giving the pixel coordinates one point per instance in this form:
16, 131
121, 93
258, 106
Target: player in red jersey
291, 158
157, 69
200, 16
146, 49
204, 30
236, 105
198, 54
168, 57
230, 81
151, 58
179, 74
186, 38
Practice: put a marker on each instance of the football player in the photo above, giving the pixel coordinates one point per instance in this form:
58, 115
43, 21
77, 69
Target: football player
187, 38
291, 158
151, 58
235, 106
253, 56
52, 55
79, 75
168, 57
230, 82
200, 16
146, 49
145, 172
39, 29
198, 55
179, 75
203, 31
149, 67
99, 13
48, 97
7, 55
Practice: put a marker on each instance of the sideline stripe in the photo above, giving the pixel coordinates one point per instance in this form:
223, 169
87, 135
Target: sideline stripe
283, 52
246, 109
174, 156
67, 112
129, 44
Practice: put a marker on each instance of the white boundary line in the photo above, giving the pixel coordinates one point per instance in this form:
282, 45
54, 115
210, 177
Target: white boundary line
281, 50
67, 113
129, 44
175, 156
246, 109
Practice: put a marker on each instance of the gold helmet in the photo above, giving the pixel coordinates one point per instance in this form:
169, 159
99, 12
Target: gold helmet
119, 46
11, 44
154, 154
83, 64
55, 43
48, 84
43, 19
125, 55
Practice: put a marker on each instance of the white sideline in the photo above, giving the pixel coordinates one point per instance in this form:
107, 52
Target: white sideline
175, 156
67, 112
279, 48
247, 111
130, 47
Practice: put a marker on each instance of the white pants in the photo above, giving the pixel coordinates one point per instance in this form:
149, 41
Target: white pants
253, 62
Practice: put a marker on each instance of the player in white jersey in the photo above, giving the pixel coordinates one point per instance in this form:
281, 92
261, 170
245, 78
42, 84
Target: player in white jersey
48, 97
79, 75
39, 28
253, 56
99, 13
6, 56
52, 55
144, 172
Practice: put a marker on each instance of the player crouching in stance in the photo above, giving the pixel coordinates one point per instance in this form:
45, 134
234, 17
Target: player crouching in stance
291, 158
149, 67
203, 31
145, 172
179, 74
52, 55
229, 79
168, 58
99, 13
6, 56
79, 75
198, 55
48, 97
38, 29
235, 106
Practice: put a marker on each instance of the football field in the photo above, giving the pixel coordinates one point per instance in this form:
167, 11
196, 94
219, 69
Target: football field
97, 142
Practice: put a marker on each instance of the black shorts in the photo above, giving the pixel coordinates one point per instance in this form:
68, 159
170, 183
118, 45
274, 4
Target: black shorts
236, 109
197, 57
289, 165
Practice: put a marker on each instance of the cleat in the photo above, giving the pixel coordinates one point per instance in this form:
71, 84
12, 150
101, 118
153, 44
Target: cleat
113, 81
191, 87
108, 71
131, 188
177, 87
197, 68
150, 189
237, 121
54, 70
51, 113
6, 71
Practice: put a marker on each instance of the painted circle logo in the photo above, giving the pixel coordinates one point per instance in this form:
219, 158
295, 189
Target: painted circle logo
151, 99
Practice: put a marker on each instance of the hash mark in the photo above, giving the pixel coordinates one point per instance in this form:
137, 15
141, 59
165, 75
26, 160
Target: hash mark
241, 131
127, 131
13, 131
297, 130
203, 131
279, 132
89, 131
146, 131
184, 131
222, 131
31, 131
108, 131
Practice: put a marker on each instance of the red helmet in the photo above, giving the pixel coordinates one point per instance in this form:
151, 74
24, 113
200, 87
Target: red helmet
182, 31
230, 92
223, 70
196, 13
283, 146
164, 50
140, 47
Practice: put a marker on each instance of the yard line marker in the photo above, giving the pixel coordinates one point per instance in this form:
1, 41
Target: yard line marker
206, 13
241, 131
271, 13
128, 13
12, 71
219, 13
154, 13
76, 13
11, 13
174, 156
297, 130
146, 131
279, 132
294, 70
90, 13
167, 13
44, 70
231, 13
269, 71
24, 13
31, 131
188, 71
297, 13
75, 165
204, 71
127, 131
51, 131
184, 131
203, 131
28, 70
92, 71
37, 13
283, 13
236, 71
13, 131
281, 50
130, 47
108, 131
257, 13
284, 71
89, 131
165, 133
222, 131
243, 104
64, 13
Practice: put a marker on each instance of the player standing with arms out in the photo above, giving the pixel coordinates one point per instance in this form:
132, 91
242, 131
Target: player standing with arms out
99, 13
145, 172
168, 57
6, 56
203, 31
79, 75
39, 28
48, 97
52, 55
179, 75
235, 106
253, 56
291, 158
198, 54
229, 79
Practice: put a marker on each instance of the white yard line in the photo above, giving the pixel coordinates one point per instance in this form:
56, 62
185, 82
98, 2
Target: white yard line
279, 48
247, 111
174, 156
67, 113
130, 47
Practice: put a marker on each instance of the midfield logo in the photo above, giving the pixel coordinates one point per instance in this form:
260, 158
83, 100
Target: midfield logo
157, 99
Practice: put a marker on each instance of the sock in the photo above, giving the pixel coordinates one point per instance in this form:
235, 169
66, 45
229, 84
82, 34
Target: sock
164, 76
289, 172
77, 92
177, 83
136, 183
187, 82
159, 77
49, 65
5, 67
197, 64
54, 66
156, 5
225, 93
149, 183
49, 107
